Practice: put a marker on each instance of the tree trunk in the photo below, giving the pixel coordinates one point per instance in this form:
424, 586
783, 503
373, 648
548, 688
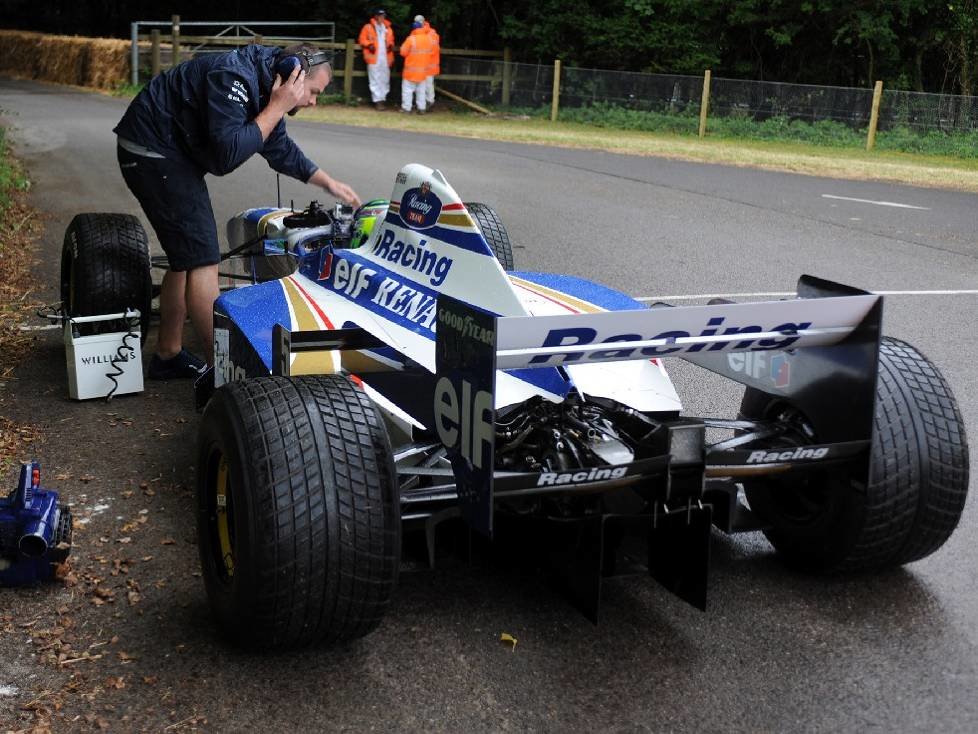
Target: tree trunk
965, 74
872, 64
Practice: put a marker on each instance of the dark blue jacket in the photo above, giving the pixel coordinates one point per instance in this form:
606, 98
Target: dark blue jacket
202, 111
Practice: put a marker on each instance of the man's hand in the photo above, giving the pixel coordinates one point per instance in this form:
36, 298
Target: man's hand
286, 96
344, 193
335, 188
289, 94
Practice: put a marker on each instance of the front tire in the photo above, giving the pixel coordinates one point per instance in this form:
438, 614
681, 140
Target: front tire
493, 230
298, 515
105, 268
918, 479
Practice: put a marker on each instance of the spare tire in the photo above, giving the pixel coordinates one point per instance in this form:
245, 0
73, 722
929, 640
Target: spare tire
105, 268
493, 230
918, 478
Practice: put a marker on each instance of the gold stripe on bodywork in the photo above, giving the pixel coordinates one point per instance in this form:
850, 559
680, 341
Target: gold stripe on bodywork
560, 297
456, 220
263, 222
326, 362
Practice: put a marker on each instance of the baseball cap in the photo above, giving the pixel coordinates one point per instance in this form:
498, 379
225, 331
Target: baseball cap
380, 11
419, 19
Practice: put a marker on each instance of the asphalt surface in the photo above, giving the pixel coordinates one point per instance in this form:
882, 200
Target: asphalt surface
776, 650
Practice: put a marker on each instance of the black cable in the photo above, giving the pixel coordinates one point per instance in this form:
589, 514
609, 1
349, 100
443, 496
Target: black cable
120, 357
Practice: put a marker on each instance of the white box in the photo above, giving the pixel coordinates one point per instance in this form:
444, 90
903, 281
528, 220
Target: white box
91, 359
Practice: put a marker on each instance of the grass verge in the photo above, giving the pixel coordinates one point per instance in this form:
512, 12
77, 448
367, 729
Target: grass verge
20, 227
809, 158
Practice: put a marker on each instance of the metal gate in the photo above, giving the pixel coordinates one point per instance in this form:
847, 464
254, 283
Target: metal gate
218, 36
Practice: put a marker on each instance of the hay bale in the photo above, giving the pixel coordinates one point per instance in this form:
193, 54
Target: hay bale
102, 63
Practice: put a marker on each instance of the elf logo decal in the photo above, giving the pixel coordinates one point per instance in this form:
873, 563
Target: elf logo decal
420, 208
584, 476
461, 420
758, 365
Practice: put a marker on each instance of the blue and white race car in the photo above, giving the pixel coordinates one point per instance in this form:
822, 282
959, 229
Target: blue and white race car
387, 370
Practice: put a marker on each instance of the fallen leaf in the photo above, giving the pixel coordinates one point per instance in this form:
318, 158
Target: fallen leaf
507, 638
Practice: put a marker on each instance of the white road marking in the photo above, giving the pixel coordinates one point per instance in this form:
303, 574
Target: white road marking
780, 294
878, 203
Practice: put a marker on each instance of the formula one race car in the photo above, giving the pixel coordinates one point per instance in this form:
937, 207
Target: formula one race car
393, 372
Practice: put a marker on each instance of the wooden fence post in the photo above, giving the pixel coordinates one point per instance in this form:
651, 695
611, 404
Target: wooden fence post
874, 115
704, 103
154, 57
507, 75
134, 53
555, 103
175, 41
348, 69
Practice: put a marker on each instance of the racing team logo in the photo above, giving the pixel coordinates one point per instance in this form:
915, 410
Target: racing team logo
420, 208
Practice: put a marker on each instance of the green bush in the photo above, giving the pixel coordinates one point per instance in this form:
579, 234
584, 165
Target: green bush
12, 178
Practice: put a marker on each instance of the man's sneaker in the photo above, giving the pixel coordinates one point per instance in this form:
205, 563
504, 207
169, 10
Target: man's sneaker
183, 365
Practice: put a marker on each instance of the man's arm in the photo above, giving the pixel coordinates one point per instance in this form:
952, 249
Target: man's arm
231, 135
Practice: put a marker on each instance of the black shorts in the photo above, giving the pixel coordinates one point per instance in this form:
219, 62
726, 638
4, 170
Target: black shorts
175, 200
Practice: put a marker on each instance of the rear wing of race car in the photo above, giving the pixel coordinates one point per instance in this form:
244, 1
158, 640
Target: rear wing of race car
818, 351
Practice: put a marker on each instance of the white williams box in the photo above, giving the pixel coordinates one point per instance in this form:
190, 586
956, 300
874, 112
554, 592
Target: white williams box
106, 364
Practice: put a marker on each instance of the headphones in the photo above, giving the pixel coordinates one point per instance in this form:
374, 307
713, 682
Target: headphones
285, 65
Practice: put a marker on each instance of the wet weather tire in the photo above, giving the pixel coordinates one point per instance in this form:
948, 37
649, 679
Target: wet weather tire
917, 485
493, 230
105, 268
298, 515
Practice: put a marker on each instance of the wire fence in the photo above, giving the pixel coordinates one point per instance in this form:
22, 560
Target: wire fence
531, 87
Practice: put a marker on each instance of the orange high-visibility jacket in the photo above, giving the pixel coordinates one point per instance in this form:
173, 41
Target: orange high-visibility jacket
434, 68
417, 51
368, 39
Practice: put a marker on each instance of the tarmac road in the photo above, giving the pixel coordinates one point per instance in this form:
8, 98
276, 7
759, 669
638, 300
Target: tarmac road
776, 651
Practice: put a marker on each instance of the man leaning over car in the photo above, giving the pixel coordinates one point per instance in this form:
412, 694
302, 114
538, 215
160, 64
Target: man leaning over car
210, 115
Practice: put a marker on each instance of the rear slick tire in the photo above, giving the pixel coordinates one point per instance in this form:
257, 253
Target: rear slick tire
298, 515
917, 486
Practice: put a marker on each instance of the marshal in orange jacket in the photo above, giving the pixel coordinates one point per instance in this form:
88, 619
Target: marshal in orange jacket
417, 51
368, 40
434, 68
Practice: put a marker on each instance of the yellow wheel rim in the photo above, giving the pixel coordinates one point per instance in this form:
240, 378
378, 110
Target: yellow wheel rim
222, 501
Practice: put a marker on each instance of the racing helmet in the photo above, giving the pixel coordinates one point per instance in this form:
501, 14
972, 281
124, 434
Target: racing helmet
366, 219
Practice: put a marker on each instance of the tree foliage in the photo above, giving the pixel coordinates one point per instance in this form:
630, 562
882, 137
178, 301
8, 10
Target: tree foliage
913, 44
